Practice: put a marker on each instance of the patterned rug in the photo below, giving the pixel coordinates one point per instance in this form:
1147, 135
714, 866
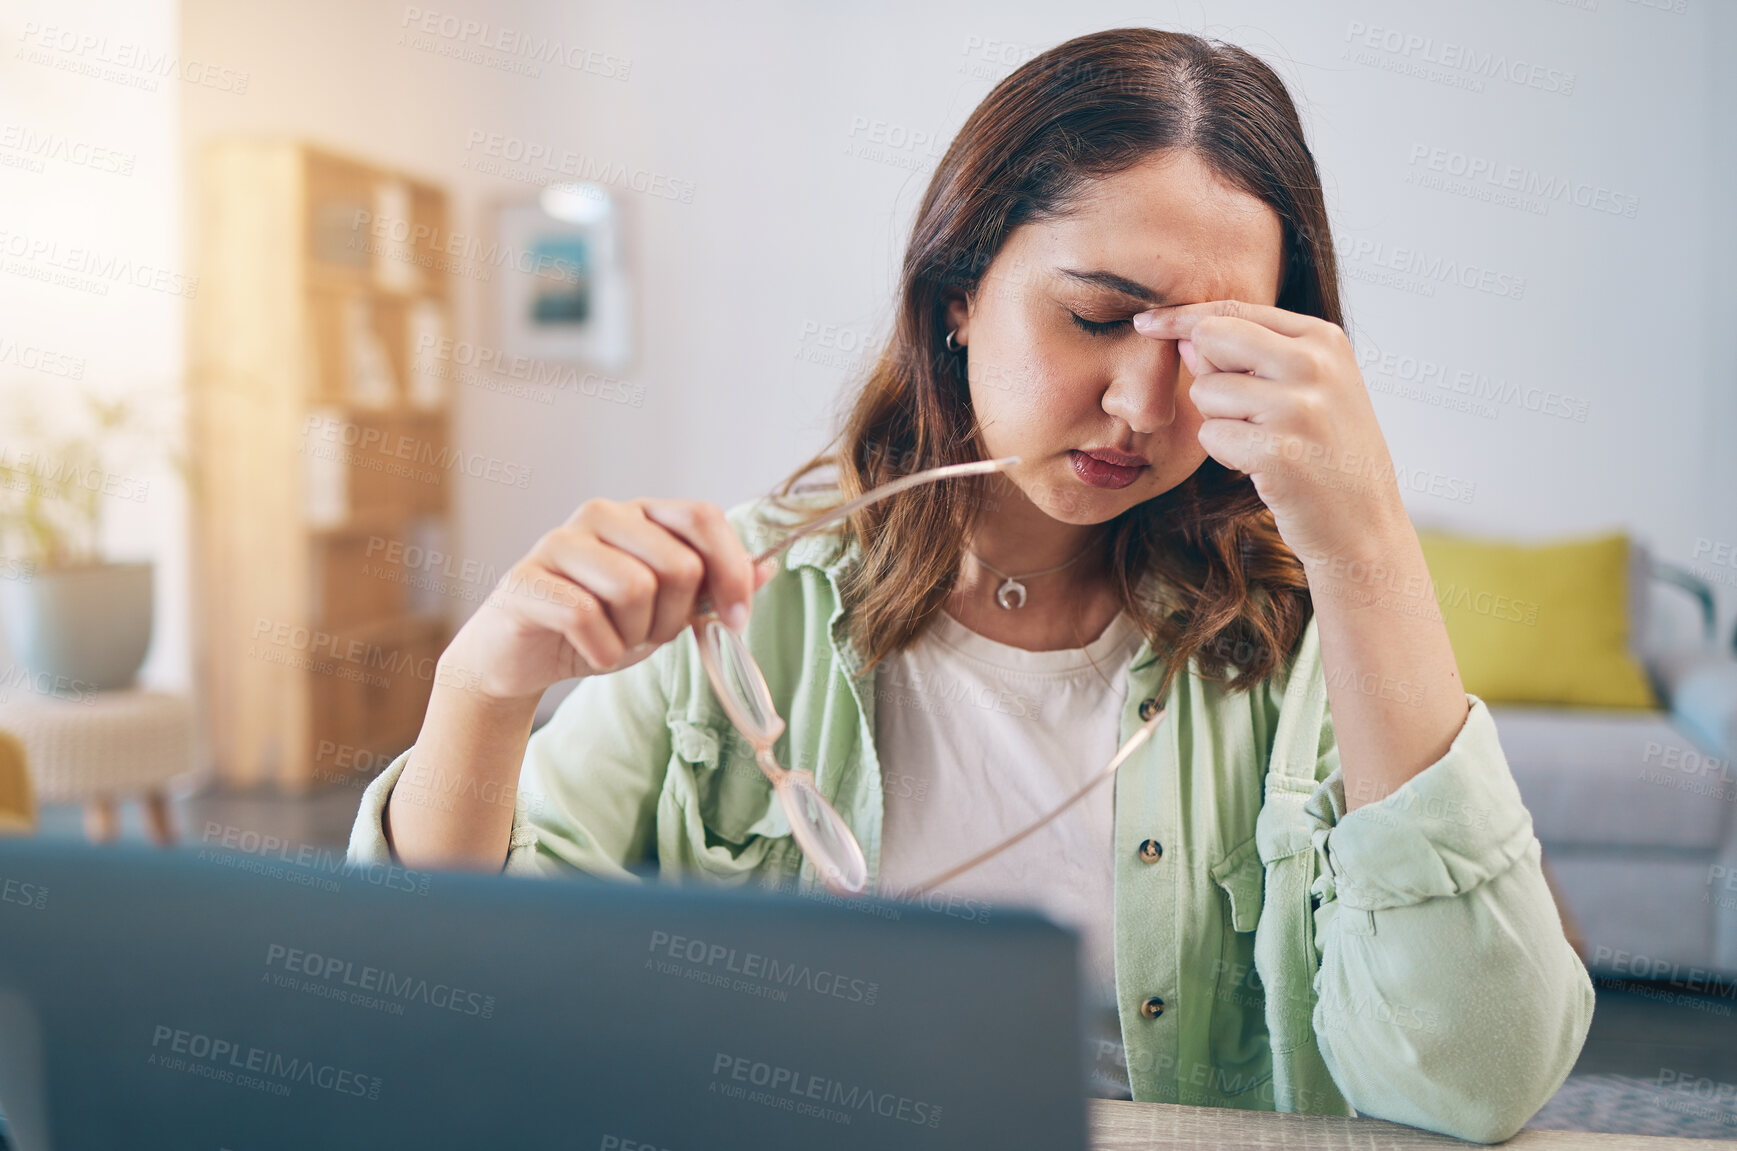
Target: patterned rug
1623, 1105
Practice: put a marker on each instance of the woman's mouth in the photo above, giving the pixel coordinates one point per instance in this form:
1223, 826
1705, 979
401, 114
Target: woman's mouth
1103, 468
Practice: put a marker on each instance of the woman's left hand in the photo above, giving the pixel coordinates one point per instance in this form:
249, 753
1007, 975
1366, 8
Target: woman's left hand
1283, 401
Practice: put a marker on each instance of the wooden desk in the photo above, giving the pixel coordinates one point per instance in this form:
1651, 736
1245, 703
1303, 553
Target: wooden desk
1122, 1126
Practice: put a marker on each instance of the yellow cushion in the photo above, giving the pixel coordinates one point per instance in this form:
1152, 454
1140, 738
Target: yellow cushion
1539, 624
17, 802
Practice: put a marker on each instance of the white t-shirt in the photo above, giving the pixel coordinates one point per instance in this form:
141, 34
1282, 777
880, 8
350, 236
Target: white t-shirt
977, 739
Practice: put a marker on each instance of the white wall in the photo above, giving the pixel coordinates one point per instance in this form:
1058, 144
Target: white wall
798, 218
761, 106
90, 184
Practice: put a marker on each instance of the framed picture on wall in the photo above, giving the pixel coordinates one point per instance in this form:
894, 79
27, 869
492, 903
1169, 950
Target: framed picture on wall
562, 288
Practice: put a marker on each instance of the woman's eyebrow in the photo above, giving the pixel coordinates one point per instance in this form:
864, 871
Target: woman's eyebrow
1118, 284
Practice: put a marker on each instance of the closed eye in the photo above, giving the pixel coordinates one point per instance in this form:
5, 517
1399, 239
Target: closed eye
1093, 327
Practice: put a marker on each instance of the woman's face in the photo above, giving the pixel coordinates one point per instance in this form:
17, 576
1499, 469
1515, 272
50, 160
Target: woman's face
1055, 366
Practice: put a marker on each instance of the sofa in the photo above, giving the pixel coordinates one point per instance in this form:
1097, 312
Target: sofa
1637, 810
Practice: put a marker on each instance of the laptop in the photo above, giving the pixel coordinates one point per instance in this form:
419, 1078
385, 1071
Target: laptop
270, 997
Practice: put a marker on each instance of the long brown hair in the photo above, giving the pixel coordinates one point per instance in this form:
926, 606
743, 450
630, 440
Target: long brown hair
1235, 597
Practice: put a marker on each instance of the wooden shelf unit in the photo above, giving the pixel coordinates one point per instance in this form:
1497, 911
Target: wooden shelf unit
319, 451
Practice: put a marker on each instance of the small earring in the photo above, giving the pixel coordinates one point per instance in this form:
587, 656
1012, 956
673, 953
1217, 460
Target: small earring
951, 346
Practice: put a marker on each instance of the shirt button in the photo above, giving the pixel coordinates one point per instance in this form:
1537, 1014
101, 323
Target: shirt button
1152, 1008
1151, 851
1148, 708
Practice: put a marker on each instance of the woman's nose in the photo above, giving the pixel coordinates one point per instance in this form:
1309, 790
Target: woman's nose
1144, 391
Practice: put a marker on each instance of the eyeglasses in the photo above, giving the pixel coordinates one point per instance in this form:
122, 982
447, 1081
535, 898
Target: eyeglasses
741, 688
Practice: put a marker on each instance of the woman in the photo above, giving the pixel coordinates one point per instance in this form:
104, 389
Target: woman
1318, 889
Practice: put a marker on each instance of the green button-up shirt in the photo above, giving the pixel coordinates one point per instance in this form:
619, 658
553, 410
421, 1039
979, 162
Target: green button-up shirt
1405, 960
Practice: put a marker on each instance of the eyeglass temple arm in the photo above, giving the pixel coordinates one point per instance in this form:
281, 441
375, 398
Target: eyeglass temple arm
891, 487
1134, 741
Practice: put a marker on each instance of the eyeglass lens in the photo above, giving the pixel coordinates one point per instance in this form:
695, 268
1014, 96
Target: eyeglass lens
823, 836
820, 831
742, 689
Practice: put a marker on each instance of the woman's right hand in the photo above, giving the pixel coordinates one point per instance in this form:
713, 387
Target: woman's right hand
600, 593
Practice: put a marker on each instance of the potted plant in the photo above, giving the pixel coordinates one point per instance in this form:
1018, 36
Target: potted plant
77, 621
